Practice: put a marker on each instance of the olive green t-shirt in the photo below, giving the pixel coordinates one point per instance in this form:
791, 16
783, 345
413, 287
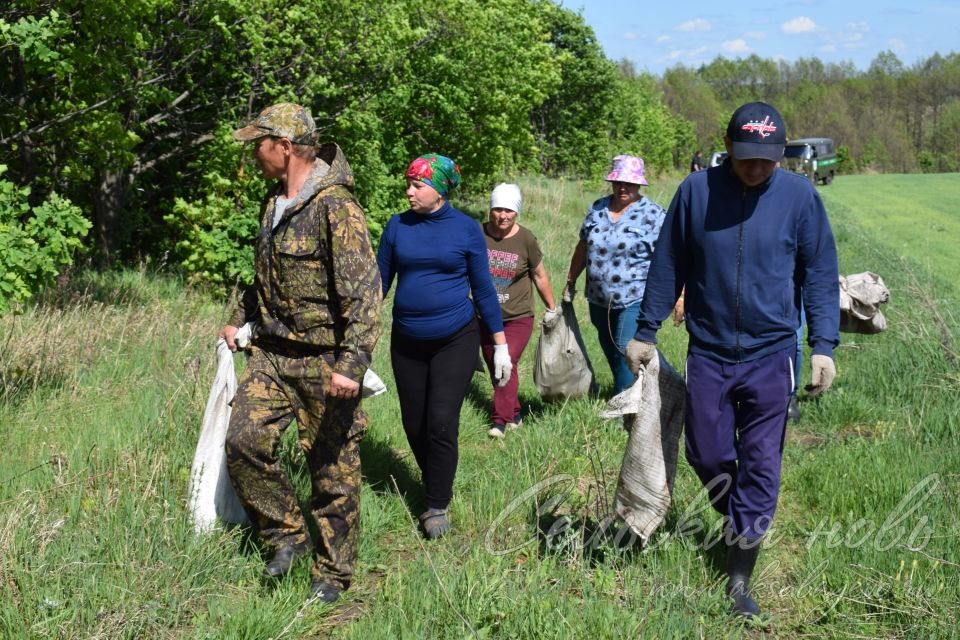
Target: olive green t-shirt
512, 261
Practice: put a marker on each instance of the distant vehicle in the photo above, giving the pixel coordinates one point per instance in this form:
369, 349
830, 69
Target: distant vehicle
717, 158
815, 158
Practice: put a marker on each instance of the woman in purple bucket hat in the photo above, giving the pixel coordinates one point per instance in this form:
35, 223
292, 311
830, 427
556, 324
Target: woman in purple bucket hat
616, 244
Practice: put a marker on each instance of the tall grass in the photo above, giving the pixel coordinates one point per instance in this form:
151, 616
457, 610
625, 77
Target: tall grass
105, 379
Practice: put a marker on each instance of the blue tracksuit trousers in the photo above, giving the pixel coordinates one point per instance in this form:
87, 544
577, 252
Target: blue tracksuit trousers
735, 425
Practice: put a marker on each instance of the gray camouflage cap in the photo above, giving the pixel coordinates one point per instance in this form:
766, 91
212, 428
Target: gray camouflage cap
283, 120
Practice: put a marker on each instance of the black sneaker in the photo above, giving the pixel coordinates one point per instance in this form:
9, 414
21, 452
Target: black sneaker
285, 557
325, 592
793, 411
497, 430
435, 523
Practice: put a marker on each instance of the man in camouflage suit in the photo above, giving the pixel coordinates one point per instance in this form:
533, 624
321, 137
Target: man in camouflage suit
316, 301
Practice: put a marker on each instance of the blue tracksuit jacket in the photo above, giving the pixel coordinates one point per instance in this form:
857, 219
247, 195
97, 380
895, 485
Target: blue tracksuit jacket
745, 256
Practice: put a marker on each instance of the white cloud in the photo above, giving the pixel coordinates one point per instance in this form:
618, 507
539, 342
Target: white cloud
629, 35
686, 54
756, 35
858, 27
801, 24
853, 36
829, 48
897, 45
738, 45
662, 39
699, 24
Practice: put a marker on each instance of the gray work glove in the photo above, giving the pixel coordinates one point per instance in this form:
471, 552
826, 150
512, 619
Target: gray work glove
639, 354
502, 367
551, 316
824, 372
569, 292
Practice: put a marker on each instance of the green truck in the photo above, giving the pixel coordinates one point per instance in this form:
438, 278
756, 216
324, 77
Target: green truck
815, 158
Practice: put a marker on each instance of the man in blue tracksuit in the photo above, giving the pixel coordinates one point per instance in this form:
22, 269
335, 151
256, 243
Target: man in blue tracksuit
747, 241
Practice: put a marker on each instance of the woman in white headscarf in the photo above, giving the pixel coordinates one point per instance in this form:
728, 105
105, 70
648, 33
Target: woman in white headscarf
516, 266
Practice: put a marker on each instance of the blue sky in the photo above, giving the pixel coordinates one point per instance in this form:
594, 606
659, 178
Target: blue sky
659, 35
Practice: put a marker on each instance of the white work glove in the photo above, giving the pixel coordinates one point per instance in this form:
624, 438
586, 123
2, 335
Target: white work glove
824, 372
569, 292
502, 367
639, 354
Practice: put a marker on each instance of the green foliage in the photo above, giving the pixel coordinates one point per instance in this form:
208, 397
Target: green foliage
890, 117
215, 242
647, 128
35, 242
211, 237
572, 125
689, 96
844, 160
126, 109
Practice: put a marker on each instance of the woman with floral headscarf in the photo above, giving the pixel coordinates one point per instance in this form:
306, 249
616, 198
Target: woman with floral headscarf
439, 258
616, 244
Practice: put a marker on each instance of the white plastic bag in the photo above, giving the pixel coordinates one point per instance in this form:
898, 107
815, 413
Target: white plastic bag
372, 385
211, 494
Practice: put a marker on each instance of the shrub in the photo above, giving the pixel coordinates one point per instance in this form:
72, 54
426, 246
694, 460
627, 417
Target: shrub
35, 242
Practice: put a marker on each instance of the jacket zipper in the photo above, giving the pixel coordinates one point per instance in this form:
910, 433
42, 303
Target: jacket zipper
743, 201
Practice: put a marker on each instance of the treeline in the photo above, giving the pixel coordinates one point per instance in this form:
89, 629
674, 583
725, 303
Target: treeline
888, 118
117, 116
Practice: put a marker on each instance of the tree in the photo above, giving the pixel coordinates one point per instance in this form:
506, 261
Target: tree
572, 125
107, 95
689, 96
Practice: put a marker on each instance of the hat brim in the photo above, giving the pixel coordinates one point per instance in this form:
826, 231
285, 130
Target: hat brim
757, 151
249, 133
612, 178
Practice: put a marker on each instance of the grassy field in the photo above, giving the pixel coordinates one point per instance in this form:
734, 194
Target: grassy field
104, 382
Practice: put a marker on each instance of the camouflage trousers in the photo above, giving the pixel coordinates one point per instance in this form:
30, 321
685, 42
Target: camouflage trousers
273, 391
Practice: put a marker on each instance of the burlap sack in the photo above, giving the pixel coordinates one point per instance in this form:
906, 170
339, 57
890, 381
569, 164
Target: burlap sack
861, 295
652, 411
562, 368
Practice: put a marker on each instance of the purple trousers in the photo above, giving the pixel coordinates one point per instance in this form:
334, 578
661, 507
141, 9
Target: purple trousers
735, 425
506, 401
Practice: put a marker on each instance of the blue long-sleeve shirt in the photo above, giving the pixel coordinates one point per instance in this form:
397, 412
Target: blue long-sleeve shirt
439, 259
745, 255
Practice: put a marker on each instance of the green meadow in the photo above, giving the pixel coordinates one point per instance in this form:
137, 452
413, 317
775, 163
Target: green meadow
104, 381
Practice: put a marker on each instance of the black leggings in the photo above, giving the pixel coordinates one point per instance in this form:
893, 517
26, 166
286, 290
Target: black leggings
432, 378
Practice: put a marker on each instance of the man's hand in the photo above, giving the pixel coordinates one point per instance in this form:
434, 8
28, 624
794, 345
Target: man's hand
343, 387
824, 372
502, 367
639, 354
678, 314
229, 333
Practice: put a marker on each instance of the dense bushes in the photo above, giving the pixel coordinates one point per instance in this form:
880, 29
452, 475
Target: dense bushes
126, 109
35, 242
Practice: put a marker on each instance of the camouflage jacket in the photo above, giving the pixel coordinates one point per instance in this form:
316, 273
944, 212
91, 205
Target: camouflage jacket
317, 286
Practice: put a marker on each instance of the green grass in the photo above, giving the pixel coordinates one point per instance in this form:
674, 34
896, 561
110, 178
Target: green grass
104, 384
